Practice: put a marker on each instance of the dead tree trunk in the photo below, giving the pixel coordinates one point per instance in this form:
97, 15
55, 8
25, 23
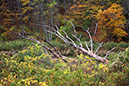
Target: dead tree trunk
55, 53
88, 51
69, 41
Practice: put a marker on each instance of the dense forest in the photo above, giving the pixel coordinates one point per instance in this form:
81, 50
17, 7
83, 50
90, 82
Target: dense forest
64, 42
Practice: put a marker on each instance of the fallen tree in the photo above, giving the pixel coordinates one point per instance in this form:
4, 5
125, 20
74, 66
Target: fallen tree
55, 53
89, 51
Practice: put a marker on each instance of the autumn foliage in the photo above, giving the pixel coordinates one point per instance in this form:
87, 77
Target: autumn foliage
111, 23
11, 18
106, 19
57, 43
7, 18
109, 20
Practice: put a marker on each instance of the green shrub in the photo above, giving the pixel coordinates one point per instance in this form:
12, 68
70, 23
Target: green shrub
122, 45
28, 71
14, 45
39, 69
120, 68
109, 45
124, 56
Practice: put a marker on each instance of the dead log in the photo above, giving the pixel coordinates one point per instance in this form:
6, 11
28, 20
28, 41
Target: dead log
54, 55
89, 51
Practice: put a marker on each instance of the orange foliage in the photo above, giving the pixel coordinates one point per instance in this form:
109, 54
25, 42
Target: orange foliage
112, 22
82, 11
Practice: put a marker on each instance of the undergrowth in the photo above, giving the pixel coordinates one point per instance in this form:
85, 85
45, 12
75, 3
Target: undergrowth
14, 45
33, 67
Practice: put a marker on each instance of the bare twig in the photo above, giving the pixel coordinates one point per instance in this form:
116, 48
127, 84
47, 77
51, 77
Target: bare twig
42, 48
109, 52
73, 28
56, 55
91, 41
69, 38
56, 32
45, 50
89, 52
100, 45
62, 36
57, 28
95, 30
80, 36
64, 39
46, 26
87, 46
78, 40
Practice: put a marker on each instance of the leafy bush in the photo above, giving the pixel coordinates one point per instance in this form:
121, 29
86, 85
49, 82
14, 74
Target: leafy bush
32, 71
120, 68
23, 69
14, 45
122, 45
124, 56
39, 69
109, 45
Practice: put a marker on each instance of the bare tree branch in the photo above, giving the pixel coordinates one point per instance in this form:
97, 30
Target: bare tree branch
57, 28
95, 30
62, 36
65, 40
33, 39
69, 38
89, 52
87, 46
100, 45
91, 41
80, 36
78, 40
56, 32
109, 52
73, 28
43, 49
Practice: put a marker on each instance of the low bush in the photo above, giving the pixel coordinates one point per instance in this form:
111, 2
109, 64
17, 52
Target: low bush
109, 45
14, 45
122, 45
39, 69
120, 68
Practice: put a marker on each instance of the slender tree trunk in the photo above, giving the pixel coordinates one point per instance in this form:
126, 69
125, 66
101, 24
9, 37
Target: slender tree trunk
43, 20
57, 15
69, 6
19, 6
65, 12
51, 12
75, 9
